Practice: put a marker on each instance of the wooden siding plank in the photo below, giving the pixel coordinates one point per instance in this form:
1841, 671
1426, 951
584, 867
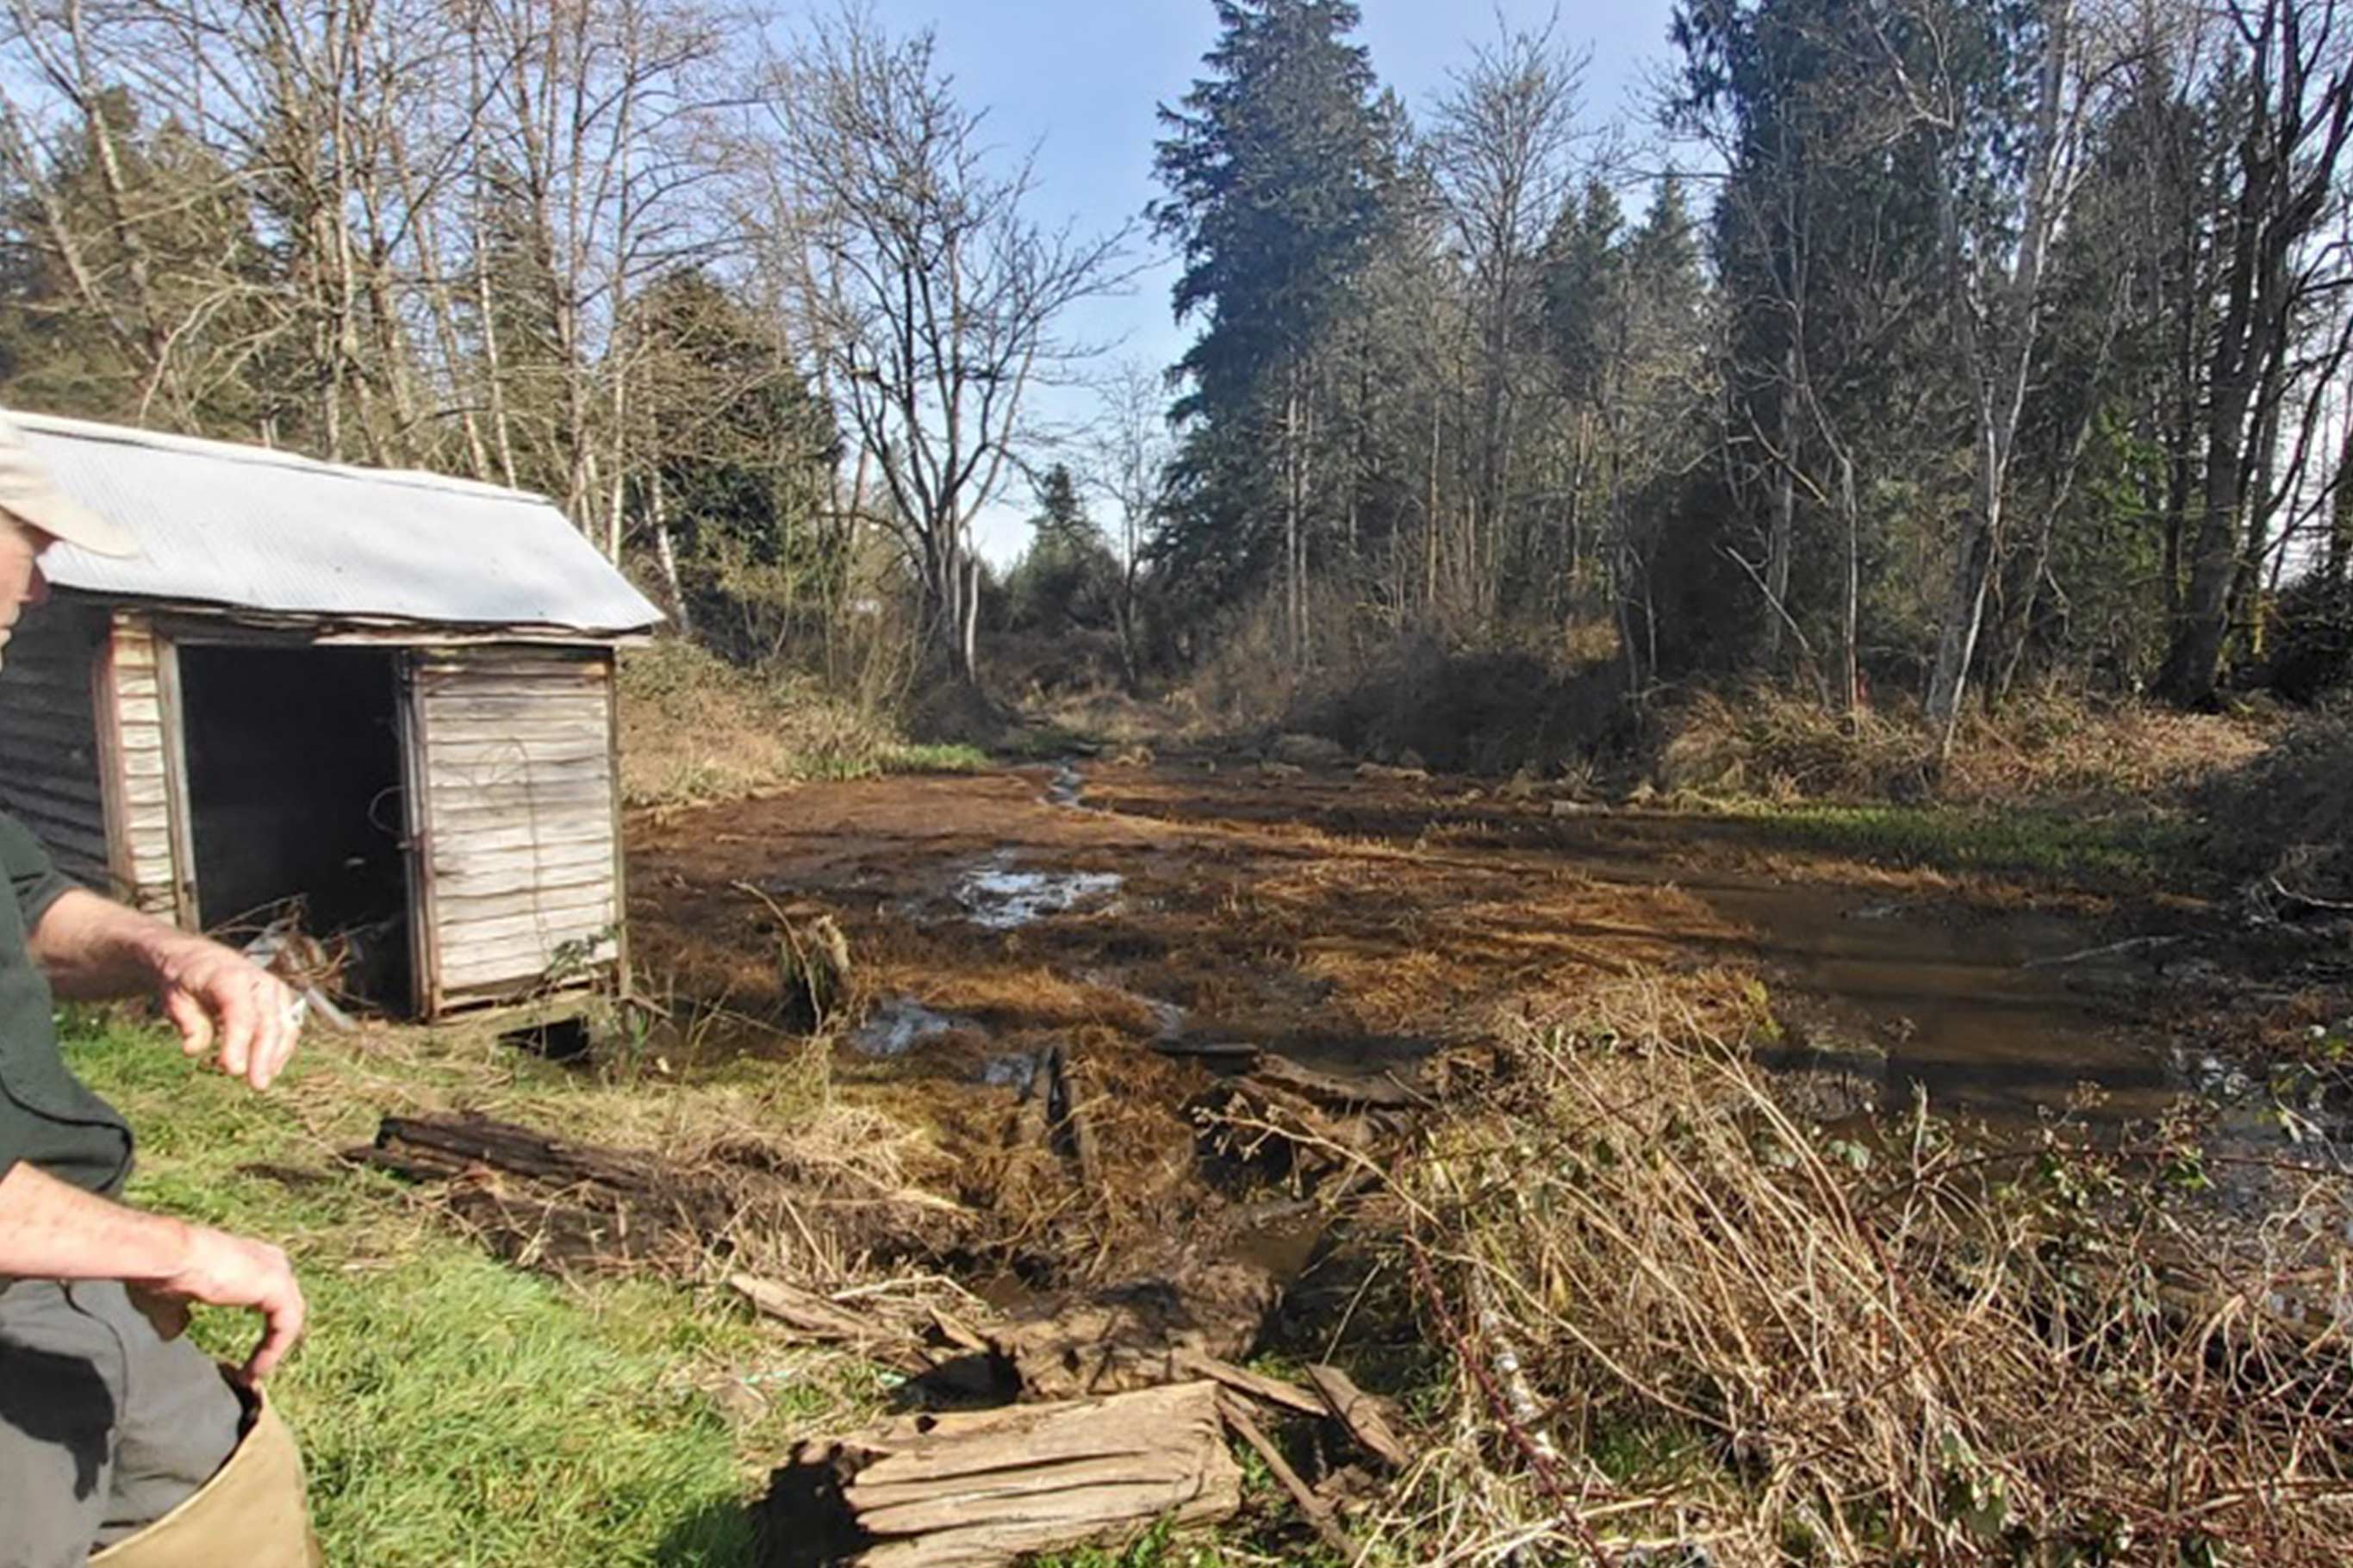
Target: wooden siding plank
515, 778
553, 866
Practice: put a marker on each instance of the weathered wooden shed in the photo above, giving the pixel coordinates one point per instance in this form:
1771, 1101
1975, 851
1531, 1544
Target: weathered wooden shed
388, 694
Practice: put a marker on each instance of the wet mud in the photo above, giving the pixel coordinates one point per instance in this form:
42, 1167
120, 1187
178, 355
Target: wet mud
1358, 924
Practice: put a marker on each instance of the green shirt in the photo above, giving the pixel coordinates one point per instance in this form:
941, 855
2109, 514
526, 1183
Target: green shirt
46, 1117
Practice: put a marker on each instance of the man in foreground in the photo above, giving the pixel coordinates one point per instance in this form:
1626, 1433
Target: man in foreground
108, 1419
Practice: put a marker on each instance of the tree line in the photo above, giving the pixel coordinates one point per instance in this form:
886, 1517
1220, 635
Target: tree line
1933, 346
1978, 342
762, 312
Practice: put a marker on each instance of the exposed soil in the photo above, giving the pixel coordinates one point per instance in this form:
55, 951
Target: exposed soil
1357, 923
1133, 929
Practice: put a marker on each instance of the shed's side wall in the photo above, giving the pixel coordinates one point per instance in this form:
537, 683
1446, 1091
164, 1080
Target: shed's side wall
133, 682
49, 775
514, 766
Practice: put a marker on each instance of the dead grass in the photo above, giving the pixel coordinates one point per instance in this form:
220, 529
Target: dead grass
2286, 817
1681, 1318
1771, 745
696, 728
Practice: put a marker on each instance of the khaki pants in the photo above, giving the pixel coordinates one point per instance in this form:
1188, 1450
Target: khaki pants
106, 1428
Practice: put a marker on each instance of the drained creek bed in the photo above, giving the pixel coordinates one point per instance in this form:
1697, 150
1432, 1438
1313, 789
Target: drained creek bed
1188, 1063
1358, 923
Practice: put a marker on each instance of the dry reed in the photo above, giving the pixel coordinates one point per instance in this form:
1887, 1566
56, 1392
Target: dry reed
1688, 1328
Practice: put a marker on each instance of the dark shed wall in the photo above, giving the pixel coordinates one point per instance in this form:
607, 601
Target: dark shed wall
49, 775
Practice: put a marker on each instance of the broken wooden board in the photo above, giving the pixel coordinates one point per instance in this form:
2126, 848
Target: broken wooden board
1366, 1417
1256, 1384
1325, 1089
980, 1490
1139, 1333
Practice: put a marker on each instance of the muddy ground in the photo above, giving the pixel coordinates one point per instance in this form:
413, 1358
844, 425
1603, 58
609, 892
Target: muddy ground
1145, 922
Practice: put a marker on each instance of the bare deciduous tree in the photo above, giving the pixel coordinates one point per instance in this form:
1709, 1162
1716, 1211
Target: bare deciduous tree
931, 293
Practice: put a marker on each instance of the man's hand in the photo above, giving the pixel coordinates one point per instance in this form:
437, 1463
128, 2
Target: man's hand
52, 1230
212, 992
95, 949
225, 1271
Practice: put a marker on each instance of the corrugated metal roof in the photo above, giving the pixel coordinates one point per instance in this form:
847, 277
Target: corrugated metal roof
251, 529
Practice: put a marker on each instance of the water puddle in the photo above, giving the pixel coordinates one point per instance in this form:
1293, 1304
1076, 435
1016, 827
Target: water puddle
1980, 1009
899, 1025
997, 896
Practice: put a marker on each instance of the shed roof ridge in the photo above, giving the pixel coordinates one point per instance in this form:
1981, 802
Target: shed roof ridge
266, 457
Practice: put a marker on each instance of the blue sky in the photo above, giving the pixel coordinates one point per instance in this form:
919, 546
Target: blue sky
1083, 78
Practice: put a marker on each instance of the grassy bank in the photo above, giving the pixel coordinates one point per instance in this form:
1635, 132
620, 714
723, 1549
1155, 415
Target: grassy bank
695, 728
454, 1409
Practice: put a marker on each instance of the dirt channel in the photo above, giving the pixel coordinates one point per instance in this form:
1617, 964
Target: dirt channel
1151, 920
1361, 922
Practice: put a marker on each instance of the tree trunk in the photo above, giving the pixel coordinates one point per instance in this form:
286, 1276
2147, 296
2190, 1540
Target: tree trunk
664, 553
1782, 526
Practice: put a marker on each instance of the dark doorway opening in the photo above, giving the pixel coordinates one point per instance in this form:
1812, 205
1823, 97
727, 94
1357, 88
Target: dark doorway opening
294, 792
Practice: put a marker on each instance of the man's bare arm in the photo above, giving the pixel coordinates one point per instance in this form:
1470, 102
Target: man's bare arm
93, 949
51, 1229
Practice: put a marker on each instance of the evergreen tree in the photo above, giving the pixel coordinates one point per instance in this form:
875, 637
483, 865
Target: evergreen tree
1278, 166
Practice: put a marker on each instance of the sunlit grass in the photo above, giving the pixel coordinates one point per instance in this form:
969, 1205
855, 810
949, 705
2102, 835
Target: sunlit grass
453, 1410
2127, 851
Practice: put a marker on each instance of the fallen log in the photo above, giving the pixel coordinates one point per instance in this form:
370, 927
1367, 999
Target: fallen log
547, 1203
978, 1490
502, 1144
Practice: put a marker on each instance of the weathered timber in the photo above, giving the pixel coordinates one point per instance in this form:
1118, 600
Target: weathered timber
805, 1312
1319, 1512
1255, 1384
1367, 1421
1237, 1053
509, 1147
1070, 1096
978, 1490
887, 1338
1138, 1334
561, 1205
1384, 1093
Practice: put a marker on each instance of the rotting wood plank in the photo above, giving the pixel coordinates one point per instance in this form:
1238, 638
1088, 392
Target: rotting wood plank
1383, 1093
1267, 1390
983, 1489
1363, 1415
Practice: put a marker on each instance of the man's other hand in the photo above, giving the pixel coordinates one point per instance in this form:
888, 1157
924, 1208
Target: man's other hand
214, 995
225, 1271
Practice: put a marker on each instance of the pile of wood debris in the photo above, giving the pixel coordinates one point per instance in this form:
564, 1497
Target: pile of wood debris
1103, 1408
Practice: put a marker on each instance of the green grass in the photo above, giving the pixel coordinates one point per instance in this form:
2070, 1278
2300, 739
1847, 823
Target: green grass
453, 1410
2129, 852
914, 757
